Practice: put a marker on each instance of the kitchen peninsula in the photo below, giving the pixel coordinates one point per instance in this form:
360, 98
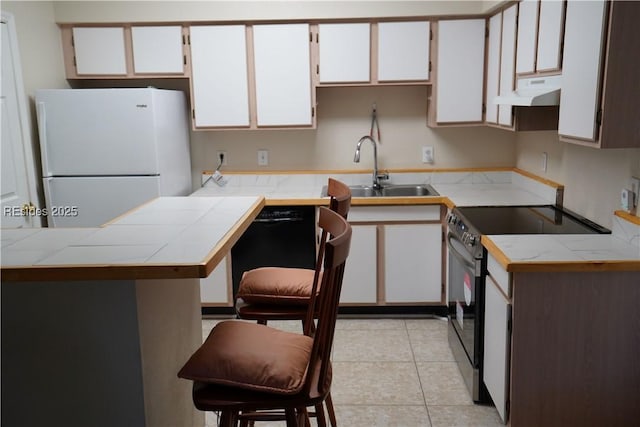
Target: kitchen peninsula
96, 322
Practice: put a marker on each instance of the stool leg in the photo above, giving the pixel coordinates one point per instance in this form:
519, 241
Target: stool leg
332, 414
291, 417
320, 418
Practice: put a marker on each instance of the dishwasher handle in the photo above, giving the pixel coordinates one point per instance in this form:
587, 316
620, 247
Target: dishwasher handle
276, 220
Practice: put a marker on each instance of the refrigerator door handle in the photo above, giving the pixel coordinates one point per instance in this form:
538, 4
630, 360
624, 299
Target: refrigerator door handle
42, 131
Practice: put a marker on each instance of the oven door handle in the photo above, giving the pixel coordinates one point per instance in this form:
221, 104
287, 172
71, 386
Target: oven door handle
458, 255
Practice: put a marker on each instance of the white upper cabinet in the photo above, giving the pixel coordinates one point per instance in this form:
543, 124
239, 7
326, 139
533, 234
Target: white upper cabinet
99, 50
507, 62
527, 36
344, 53
460, 70
540, 25
493, 68
583, 46
403, 51
220, 91
282, 75
550, 35
157, 50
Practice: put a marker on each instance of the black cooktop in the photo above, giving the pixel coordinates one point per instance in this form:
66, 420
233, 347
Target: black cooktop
547, 219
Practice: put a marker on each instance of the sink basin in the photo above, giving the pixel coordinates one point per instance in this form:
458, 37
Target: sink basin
408, 190
403, 190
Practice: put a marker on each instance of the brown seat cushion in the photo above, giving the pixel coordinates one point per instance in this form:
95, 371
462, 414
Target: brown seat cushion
251, 356
276, 285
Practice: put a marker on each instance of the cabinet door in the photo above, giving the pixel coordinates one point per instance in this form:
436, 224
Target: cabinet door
282, 74
220, 90
99, 51
549, 35
460, 70
359, 284
157, 50
493, 67
214, 289
413, 263
507, 63
527, 36
403, 51
497, 344
344, 52
581, 65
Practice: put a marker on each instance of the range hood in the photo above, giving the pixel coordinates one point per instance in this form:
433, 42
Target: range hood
535, 91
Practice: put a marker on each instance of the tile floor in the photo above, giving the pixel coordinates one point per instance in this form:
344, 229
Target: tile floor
395, 373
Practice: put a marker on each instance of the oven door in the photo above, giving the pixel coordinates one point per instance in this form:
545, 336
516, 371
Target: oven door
465, 298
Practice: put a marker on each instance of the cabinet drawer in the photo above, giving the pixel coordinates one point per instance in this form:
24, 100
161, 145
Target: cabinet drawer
499, 275
394, 213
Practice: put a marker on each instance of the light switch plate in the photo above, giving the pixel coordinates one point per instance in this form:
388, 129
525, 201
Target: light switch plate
263, 157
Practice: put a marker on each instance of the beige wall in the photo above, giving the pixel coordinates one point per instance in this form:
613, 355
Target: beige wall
593, 178
344, 115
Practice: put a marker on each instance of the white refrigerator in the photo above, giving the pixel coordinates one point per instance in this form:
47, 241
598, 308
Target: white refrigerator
106, 151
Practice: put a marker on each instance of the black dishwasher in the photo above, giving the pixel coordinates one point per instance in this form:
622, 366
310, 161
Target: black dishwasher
280, 236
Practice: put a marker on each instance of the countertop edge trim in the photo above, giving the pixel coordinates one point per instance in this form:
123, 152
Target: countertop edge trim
628, 217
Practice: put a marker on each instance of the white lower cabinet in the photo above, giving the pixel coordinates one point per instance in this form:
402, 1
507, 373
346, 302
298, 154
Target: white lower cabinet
497, 346
395, 257
413, 263
214, 289
360, 273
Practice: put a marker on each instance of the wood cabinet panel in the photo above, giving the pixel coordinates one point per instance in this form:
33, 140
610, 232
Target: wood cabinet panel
507, 63
460, 71
403, 51
220, 91
549, 35
493, 68
282, 74
99, 50
527, 36
215, 289
497, 342
344, 52
583, 47
157, 49
360, 282
413, 263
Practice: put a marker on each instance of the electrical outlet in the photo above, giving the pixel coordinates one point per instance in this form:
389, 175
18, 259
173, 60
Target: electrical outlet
427, 154
635, 187
224, 158
545, 158
263, 157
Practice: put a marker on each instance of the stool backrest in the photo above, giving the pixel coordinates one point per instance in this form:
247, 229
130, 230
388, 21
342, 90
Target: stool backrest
328, 298
340, 203
340, 197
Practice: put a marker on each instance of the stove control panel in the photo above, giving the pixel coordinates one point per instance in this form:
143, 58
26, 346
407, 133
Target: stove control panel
461, 230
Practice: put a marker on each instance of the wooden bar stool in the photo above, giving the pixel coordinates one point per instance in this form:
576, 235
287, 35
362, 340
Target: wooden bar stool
243, 369
280, 293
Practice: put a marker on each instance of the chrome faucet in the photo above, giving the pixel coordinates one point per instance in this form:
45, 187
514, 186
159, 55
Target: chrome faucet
356, 158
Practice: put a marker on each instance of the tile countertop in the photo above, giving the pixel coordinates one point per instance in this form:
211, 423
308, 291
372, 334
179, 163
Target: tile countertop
456, 188
169, 237
617, 251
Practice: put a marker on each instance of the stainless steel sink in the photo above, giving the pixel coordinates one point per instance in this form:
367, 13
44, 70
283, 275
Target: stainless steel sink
403, 190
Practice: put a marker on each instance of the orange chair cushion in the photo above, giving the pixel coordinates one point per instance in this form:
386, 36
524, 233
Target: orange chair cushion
251, 356
276, 285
